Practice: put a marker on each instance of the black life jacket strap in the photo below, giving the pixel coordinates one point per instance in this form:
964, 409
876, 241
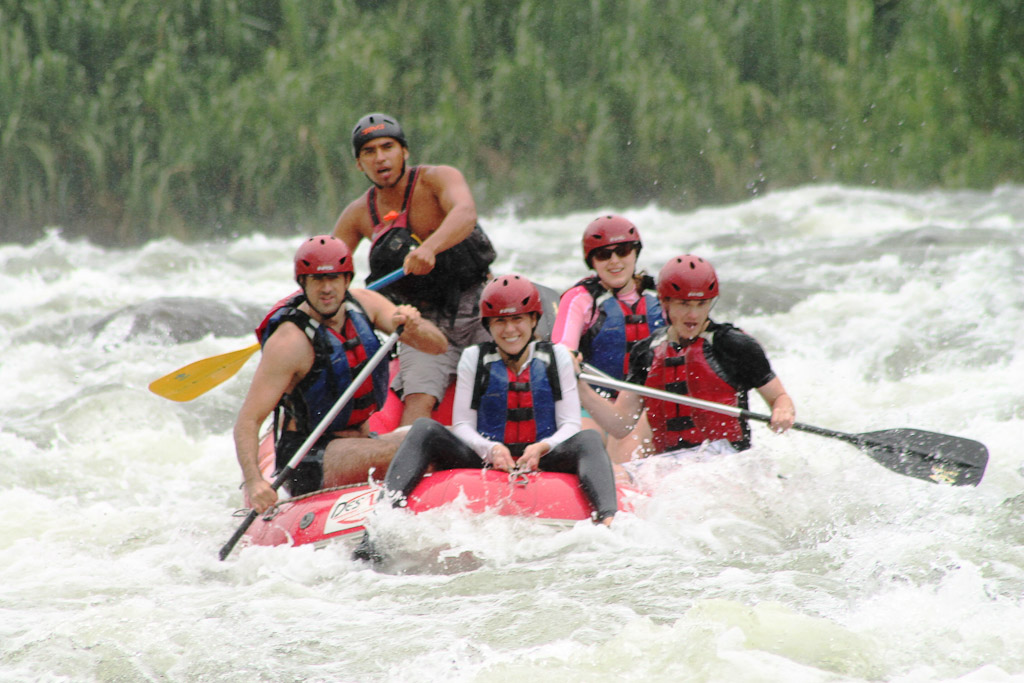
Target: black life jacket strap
488, 350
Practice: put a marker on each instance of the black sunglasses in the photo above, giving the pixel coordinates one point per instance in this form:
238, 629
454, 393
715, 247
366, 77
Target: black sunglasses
621, 250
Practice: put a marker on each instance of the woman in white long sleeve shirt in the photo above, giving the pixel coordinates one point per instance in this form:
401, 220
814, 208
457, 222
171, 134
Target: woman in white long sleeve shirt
516, 407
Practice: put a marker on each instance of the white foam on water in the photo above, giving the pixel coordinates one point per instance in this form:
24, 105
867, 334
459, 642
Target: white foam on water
799, 560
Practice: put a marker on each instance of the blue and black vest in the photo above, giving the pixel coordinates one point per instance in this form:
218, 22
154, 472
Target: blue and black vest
516, 410
607, 343
338, 359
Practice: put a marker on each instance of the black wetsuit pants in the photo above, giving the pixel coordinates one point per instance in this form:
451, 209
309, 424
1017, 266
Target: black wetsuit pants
430, 443
308, 476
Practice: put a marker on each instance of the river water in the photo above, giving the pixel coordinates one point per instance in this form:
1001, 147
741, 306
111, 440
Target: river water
800, 560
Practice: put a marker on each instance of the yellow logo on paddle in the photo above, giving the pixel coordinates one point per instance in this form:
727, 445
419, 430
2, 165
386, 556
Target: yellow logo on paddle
943, 475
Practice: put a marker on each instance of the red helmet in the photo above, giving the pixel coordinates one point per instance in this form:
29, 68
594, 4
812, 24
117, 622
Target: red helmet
608, 230
323, 255
509, 295
687, 277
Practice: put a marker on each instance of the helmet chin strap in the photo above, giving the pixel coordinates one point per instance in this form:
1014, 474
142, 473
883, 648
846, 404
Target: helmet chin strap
682, 342
514, 357
686, 341
632, 280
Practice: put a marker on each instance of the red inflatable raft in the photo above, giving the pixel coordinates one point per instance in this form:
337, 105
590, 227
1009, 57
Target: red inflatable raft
322, 516
333, 513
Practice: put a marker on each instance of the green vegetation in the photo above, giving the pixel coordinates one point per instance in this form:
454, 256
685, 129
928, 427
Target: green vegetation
128, 120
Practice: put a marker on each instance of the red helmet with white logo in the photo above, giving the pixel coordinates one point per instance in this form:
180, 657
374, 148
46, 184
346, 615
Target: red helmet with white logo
509, 295
608, 230
323, 255
687, 277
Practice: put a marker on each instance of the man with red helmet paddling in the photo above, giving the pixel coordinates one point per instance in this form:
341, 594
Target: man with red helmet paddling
421, 219
314, 344
516, 408
693, 356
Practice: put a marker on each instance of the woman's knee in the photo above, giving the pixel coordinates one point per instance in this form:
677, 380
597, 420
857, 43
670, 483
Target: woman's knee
590, 442
425, 430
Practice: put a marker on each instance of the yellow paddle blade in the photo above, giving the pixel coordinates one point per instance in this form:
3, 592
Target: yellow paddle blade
195, 379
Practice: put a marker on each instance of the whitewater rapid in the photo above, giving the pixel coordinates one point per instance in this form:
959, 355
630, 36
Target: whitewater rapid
800, 560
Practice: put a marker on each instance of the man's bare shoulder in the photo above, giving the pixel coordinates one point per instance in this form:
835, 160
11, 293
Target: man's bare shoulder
354, 223
287, 351
441, 175
285, 339
448, 186
371, 301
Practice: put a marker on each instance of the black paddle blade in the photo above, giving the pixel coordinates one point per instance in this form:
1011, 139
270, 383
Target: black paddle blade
939, 458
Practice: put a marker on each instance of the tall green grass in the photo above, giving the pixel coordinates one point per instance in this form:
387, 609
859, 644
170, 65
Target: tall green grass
131, 120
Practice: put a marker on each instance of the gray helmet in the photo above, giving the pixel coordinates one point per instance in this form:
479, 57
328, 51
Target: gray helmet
374, 126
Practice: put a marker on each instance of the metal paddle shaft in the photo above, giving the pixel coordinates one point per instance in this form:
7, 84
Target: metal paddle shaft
345, 397
939, 458
195, 379
394, 276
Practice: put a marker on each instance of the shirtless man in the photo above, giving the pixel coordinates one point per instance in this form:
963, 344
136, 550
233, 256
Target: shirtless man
421, 219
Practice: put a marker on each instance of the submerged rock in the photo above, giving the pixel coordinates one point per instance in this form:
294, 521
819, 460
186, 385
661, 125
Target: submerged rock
174, 320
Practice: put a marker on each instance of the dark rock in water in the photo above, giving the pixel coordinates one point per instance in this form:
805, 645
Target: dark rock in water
174, 320
178, 319
743, 298
934, 236
934, 243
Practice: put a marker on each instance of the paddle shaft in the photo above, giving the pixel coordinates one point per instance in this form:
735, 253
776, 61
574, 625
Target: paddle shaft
649, 392
394, 276
934, 457
603, 380
345, 397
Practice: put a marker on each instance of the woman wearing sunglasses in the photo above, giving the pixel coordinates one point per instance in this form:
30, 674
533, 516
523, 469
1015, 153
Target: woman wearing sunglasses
605, 314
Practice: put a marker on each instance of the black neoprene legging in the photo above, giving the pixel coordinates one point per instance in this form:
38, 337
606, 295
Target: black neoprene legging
429, 442
309, 475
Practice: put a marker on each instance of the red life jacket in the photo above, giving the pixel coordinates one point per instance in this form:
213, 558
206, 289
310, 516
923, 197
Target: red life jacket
365, 402
520, 404
686, 371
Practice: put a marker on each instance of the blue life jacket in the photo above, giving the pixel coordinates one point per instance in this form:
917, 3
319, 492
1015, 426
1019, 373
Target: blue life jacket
493, 397
607, 343
331, 373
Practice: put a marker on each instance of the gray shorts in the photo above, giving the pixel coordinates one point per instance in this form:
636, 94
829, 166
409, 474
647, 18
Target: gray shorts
425, 373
